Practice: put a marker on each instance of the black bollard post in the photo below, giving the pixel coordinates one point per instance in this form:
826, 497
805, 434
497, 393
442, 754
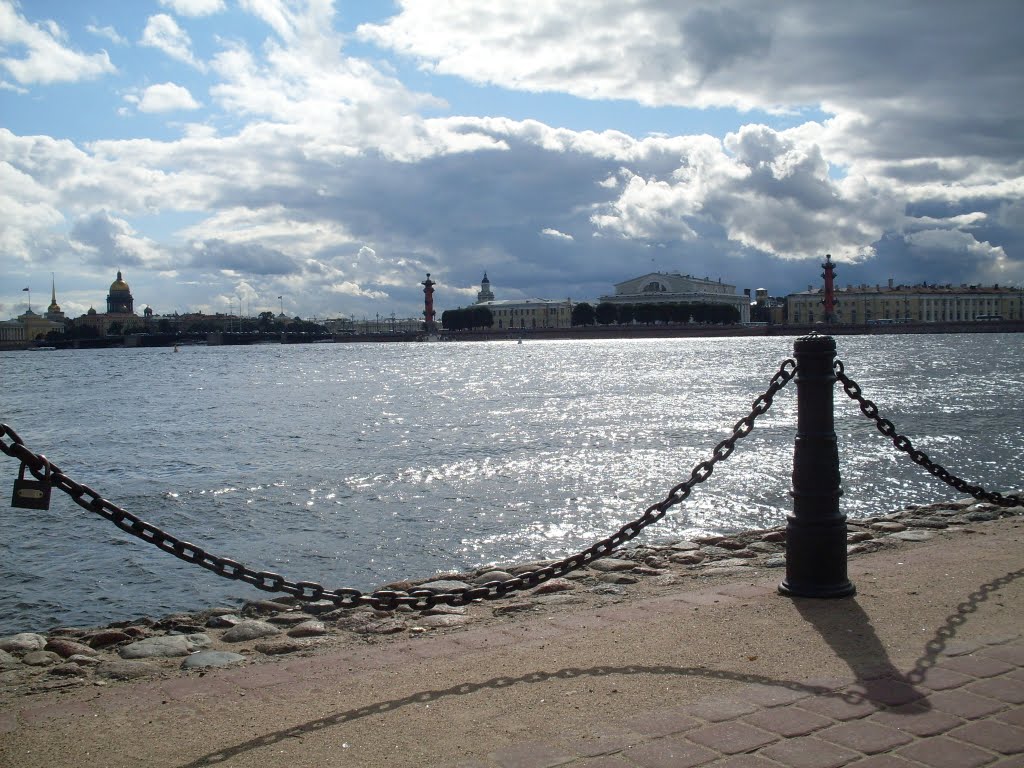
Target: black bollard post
816, 529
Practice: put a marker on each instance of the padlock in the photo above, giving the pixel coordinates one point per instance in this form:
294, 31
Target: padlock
31, 494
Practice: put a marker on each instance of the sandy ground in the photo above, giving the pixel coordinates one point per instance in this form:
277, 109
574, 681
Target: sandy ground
562, 673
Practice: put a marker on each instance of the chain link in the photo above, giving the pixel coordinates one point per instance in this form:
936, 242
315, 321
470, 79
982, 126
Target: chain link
418, 599
902, 443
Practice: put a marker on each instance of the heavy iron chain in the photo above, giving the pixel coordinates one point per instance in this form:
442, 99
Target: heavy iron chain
418, 599
887, 428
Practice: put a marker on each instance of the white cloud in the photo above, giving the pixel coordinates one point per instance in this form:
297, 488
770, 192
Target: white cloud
194, 7
108, 32
325, 177
166, 97
549, 232
46, 59
162, 32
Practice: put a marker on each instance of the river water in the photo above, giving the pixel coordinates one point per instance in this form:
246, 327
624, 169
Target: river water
359, 464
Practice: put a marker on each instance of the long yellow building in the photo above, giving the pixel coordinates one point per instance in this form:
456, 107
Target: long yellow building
885, 304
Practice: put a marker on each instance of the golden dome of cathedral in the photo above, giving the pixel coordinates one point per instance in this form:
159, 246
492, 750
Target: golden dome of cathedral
119, 285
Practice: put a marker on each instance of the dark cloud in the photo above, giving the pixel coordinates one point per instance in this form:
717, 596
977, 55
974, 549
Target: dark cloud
247, 258
107, 240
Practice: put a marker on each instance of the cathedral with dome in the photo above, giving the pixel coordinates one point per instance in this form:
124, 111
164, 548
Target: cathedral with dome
120, 315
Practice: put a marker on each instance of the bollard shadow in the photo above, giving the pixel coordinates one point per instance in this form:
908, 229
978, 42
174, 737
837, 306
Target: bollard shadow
848, 631
843, 624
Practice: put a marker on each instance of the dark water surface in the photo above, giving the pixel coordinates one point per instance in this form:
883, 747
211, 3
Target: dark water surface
358, 464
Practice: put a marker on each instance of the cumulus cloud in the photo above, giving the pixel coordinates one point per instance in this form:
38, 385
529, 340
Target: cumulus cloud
45, 58
162, 32
549, 232
242, 258
166, 97
322, 175
111, 241
108, 32
194, 7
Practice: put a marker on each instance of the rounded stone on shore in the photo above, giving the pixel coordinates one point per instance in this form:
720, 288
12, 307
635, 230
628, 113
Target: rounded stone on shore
106, 638
66, 648
205, 659
554, 585
23, 642
164, 646
444, 585
308, 628
249, 630
40, 659
608, 564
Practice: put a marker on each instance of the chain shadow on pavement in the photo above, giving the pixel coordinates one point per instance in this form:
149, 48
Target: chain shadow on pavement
847, 629
498, 683
862, 651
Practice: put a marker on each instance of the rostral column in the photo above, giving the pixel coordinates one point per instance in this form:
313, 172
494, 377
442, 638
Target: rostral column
830, 290
428, 304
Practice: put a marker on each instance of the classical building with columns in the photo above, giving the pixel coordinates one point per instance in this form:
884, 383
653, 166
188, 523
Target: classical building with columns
675, 288
888, 304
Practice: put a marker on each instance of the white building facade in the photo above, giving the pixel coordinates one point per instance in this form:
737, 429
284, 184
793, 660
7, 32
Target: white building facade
674, 288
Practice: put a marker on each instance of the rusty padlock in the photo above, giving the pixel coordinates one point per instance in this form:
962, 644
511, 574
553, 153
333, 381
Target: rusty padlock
31, 494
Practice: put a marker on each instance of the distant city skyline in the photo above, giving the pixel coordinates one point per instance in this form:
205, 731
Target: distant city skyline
227, 154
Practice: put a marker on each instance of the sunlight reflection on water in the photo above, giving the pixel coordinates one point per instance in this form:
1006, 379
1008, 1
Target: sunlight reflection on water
355, 465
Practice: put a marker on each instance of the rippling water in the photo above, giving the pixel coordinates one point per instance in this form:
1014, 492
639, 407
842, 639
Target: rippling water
357, 464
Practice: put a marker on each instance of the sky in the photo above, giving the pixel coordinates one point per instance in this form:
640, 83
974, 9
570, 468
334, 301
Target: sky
321, 157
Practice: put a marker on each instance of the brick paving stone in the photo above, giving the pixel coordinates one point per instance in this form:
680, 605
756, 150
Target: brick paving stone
605, 742
918, 719
718, 710
744, 761
1012, 716
820, 685
942, 752
530, 755
1011, 654
773, 695
731, 738
942, 679
661, 722
977, 666
1017, 761
961, 648
890, 692
1002, 688
885, 761
867, 737
809, 752
607, 761
839, 709
789, 721
671, 752
965, 704
998, 737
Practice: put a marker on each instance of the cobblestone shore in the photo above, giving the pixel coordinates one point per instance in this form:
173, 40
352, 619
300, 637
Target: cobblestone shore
262, 630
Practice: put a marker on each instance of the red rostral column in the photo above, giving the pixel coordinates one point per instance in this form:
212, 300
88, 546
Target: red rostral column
830, 290
428, 303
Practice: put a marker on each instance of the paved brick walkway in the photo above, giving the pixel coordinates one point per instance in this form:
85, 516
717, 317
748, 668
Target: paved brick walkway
962, 709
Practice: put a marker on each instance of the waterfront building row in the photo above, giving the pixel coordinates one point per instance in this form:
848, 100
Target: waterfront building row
871, 305
651, 288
